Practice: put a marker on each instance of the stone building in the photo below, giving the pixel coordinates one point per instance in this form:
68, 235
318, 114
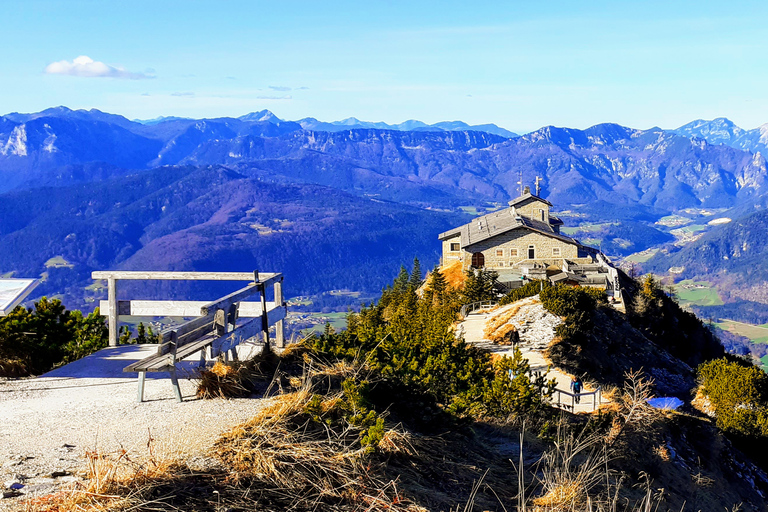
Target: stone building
524, 241
523, 236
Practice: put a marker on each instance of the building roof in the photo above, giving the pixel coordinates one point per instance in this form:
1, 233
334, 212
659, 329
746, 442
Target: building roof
499, 222
566, 276
526, 198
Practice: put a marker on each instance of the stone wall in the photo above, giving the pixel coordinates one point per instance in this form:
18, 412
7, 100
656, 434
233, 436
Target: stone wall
519, 239
532, 210
450, 256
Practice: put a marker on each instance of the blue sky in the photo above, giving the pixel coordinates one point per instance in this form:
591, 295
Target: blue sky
521, 65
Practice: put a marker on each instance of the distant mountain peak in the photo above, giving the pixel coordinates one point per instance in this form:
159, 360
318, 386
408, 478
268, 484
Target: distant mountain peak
261, 116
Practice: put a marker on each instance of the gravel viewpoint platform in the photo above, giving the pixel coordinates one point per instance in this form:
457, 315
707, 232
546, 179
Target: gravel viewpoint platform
48, 423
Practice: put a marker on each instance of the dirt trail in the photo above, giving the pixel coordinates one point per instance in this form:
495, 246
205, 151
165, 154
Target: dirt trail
536, 327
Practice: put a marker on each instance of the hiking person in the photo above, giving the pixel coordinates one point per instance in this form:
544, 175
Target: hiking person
576, 387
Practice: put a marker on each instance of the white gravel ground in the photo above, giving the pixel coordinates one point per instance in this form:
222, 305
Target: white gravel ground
48, 423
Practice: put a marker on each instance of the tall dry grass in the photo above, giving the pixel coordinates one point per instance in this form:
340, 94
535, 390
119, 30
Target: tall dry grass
498, 327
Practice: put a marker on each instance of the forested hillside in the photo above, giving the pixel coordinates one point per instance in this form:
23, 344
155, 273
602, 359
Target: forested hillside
212, 219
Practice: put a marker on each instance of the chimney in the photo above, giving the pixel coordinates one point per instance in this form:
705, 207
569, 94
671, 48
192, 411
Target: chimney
527, 190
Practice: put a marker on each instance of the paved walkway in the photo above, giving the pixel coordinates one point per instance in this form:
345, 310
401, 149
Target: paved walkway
473, 328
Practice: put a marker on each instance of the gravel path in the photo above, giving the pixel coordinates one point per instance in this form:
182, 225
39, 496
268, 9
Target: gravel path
536, 327
48, 423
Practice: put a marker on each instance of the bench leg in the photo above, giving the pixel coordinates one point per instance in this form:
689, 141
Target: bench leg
175, 383
142, 377
202, 358
233, 352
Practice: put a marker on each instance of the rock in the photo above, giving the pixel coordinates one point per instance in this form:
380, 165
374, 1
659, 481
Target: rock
57, 474
11, 494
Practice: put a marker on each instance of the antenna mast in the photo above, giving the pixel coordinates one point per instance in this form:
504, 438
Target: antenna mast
520, 182
538, 185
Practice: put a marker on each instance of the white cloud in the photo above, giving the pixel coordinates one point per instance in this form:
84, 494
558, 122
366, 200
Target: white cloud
281, 88
183, 94
274, 97
85, 66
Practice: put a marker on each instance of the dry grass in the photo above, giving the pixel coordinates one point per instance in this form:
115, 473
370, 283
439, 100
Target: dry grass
498, 327
308, 461
571, 469
114, 481
13, 368
226, 380
454, 274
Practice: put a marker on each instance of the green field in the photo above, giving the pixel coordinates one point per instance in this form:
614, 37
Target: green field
693, 228
764, 360
337, 320
58, 262
642, 256
472, 210
697, 293
586, 228
345, 293
756, 333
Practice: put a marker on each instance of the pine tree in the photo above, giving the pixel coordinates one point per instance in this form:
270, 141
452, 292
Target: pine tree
416, 274
401, 282
437, 286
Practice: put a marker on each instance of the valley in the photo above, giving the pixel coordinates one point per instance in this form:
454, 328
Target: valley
344, 204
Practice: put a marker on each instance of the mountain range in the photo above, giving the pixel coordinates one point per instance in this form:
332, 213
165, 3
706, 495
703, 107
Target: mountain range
614, 181
724, 131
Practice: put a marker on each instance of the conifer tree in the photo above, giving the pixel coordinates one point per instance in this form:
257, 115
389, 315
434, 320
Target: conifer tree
416, 274
402, 280
437, 286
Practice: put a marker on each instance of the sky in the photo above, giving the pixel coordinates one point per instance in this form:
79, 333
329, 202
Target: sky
520, 65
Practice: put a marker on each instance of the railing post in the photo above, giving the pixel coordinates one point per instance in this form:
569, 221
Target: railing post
279, 334
113, 317
264, 319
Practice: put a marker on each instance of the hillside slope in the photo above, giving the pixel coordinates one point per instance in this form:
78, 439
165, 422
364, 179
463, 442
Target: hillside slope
179, 218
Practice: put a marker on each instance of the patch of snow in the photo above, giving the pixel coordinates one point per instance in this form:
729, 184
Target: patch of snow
719, 220
48, 143
17, 142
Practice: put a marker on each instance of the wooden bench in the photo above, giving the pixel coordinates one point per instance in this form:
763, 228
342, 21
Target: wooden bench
215, 329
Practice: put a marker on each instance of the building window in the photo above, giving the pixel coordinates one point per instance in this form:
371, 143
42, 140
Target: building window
555, 251
531, 252
543, 219
501, 263
500, 253
478, 260
455, 247
513, 253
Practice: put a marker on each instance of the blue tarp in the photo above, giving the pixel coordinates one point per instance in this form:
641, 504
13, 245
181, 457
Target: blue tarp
665, 402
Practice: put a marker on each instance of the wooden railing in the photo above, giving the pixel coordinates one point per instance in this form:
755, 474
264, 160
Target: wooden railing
114, 308
466, 309
597, 397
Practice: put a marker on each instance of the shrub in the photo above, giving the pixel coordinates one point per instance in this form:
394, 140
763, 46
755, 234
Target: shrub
409, 339
527, 290
738, 392
576, 305
47, 335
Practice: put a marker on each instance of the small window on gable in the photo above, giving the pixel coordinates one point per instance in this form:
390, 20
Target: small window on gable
500, 252
543, 218
455, 247
555, 251
513, 253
